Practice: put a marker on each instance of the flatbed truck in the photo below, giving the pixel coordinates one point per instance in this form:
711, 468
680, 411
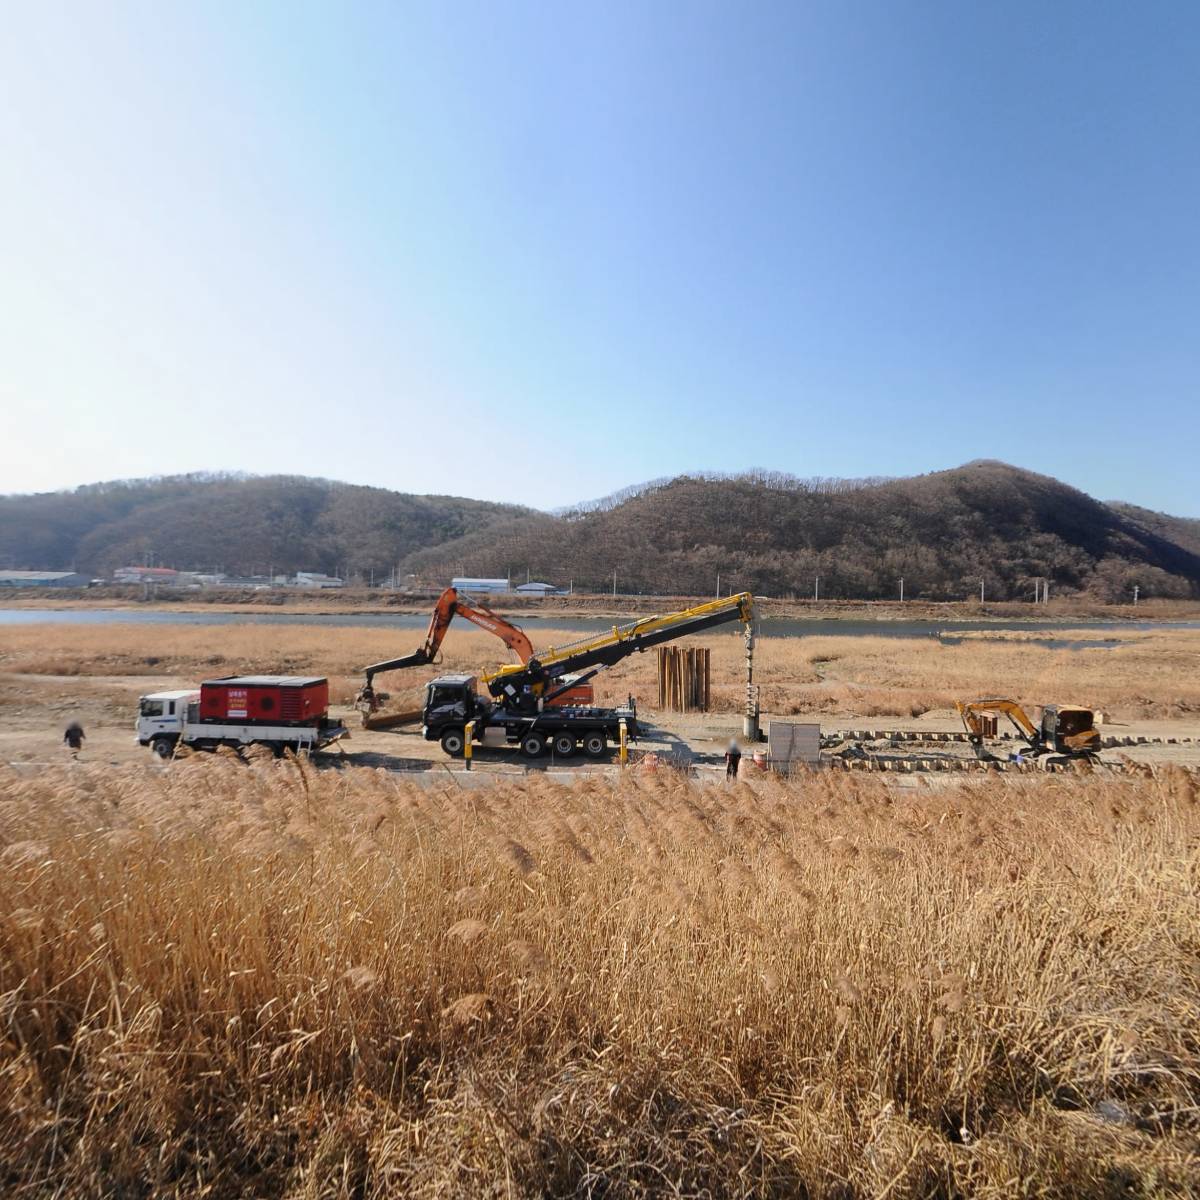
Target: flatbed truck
283, 712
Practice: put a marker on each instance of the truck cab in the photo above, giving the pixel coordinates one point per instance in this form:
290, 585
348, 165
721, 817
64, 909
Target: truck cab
162, 716
451, 699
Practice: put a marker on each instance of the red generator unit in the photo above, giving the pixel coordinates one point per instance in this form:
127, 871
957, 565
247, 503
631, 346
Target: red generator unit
264, 700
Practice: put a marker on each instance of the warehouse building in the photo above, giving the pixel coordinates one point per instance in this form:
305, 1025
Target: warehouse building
43, 579
535, 588
487, 587
317, 579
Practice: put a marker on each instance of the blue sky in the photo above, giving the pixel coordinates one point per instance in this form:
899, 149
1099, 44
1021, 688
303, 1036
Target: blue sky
539, 252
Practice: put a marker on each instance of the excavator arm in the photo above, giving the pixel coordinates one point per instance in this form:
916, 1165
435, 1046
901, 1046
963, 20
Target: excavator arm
1010, 708
510, 635
449, 605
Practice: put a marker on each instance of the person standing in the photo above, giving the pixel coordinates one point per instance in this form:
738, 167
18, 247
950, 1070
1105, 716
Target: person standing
74, 738
733, 758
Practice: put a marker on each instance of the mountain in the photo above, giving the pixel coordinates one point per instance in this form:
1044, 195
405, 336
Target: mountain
943, 533
242, 525
1183, 531
769, 533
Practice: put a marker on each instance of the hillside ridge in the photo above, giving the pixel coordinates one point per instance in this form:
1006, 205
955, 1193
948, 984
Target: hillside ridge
944, 533
239, 524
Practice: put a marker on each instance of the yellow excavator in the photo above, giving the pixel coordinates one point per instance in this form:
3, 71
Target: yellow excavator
1066, 730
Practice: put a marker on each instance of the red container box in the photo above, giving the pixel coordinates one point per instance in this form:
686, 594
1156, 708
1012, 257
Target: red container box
264, 700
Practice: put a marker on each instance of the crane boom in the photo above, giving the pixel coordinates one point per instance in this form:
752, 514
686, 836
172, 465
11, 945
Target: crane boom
623, 640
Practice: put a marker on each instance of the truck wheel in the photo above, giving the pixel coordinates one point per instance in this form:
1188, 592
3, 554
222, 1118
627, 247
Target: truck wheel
453, 741
564, 744
595, 744
164, 747
533, 745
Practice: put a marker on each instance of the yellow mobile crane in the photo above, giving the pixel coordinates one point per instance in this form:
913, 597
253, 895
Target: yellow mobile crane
522, 711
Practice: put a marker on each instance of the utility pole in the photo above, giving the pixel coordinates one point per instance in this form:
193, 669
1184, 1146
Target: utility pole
718, 585
901, 589
981, 591
817, 588
614, 583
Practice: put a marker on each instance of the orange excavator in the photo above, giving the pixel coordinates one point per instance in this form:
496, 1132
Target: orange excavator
450, 604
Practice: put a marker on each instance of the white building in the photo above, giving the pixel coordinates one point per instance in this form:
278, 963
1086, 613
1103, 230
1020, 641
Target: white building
466, 583
43, 579
315, 579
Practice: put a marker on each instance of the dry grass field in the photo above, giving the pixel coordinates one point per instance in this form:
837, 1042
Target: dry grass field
1142, 675
228, 979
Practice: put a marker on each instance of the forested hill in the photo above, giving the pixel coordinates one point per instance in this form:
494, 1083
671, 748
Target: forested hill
241, 525
1185, 531
772, 534
941, 532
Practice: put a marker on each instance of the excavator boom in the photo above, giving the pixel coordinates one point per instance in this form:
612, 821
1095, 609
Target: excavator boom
1010, 708
449, 605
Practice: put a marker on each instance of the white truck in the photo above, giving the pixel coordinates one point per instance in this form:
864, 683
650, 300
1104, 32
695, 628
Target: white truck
280, 711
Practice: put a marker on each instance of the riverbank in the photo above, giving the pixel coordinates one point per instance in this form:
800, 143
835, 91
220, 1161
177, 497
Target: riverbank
621, 607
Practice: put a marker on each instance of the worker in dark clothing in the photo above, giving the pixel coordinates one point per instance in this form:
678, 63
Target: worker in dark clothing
74, 738
733, 758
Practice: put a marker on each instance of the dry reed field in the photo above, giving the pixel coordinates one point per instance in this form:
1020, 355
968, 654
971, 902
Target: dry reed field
1144, 674
229, 979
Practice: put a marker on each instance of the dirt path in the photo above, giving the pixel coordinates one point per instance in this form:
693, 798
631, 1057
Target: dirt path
37, 708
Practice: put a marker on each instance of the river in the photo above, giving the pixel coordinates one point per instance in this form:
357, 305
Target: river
767, 627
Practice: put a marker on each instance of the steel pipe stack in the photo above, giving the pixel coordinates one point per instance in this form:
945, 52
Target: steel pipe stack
683, 678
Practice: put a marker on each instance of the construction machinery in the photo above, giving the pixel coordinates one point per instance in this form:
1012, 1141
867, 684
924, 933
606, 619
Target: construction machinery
450, 604
523, 711
1066, 730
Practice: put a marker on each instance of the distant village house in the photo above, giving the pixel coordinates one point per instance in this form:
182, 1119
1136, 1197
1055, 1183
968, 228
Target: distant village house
164, 576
